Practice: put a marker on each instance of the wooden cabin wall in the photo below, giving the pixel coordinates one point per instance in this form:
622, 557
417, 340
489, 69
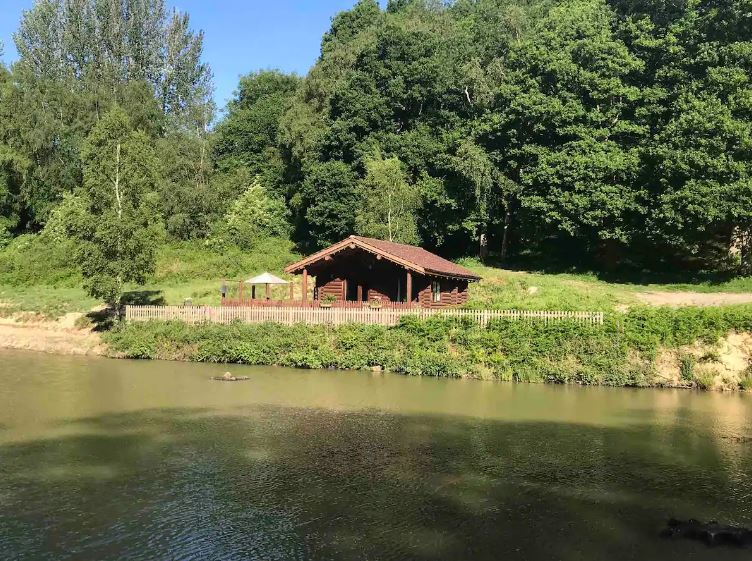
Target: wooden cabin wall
334, 287
453, 293
380, 281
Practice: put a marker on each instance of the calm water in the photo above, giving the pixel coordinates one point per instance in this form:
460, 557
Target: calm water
108, 460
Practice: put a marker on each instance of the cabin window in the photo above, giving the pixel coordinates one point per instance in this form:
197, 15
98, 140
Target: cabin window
436, 291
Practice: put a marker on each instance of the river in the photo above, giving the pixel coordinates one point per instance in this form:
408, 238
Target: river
107, 460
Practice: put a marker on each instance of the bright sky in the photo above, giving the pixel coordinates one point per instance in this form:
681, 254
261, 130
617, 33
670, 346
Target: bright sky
239, 35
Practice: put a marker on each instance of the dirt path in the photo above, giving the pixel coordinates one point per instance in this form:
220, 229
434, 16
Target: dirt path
694, 298
59, 337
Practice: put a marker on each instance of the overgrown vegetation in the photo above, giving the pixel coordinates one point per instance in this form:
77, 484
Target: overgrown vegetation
620, 353
597, 133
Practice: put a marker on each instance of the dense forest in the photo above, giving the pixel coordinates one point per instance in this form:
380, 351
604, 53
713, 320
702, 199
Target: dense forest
603, 134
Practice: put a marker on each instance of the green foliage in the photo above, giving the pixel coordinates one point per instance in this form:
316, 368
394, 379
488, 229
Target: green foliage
647, 328
687, 364
39, 260
248, 136
181, 263
327, 202
85, 43
525, 351
609, 134
192, 198
545, 128
117, 228
388, 204
746, 381
704, 380
254, 216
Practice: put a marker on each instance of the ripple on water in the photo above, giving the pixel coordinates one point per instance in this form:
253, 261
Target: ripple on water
267, 482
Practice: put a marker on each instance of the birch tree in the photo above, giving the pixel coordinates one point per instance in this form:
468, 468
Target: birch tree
118, 228
387, 203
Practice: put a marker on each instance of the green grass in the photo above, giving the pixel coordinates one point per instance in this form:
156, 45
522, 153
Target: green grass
502, 288
51, 302
48, 284
37, 274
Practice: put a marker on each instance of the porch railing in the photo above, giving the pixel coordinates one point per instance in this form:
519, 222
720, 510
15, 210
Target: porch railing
312, 315
259, 303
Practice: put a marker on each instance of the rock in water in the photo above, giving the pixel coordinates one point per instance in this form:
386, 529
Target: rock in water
227, 377
711, 533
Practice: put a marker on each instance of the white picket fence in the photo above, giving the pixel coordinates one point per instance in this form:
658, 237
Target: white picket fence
339, 316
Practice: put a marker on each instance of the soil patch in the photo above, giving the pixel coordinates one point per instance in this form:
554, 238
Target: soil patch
59, 337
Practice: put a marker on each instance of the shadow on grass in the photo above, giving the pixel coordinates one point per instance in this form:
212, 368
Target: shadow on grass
274, 483
106, 318
626, 274
143, 298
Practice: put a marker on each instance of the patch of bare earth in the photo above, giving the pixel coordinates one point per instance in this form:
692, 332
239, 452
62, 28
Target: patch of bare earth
33, 332
723, 365
694, 298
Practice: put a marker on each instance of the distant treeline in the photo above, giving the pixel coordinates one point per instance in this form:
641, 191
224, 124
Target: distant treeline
600, 133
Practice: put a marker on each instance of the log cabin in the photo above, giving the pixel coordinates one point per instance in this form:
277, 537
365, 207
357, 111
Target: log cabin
360, 269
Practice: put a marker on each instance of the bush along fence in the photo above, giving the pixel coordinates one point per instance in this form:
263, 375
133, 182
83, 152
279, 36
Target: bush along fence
341, 316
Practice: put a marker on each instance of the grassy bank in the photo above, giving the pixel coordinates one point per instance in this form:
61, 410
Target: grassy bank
37, 274
630, 350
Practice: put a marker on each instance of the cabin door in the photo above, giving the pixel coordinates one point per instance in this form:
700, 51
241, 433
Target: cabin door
351, 294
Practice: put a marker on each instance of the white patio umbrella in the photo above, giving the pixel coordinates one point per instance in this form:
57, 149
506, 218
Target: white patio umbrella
266, 279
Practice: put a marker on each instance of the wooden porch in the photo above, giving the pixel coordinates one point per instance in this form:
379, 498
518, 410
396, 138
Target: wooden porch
338, 304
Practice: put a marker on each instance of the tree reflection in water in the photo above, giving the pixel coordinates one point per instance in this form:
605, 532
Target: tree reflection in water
301, 483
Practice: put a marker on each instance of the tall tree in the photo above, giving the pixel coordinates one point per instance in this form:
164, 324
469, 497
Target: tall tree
117, 227
102, 44
326, 204
248, 136
388, 204
79, 57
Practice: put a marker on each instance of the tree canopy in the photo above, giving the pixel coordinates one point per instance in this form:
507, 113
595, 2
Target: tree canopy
603, 133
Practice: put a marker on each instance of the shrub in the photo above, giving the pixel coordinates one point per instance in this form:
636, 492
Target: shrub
255, 215
704, 378
686, 366
38, 259
746, 380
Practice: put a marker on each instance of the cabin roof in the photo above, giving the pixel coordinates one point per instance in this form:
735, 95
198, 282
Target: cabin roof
409, 256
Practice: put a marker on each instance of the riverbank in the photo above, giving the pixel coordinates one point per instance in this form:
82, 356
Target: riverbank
61, 336
691, 348
701, 348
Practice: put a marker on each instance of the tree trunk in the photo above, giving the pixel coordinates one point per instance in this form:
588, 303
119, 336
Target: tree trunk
505, 235
743, 242
483, 246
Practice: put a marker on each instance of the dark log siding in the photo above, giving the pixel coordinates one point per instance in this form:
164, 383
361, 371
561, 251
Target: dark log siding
348, 274
453, 292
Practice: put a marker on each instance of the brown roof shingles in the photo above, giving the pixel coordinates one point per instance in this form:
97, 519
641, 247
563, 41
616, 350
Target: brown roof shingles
406, 255
431, 262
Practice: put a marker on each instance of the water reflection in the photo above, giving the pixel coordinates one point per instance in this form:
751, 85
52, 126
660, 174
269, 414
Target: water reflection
349, 466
